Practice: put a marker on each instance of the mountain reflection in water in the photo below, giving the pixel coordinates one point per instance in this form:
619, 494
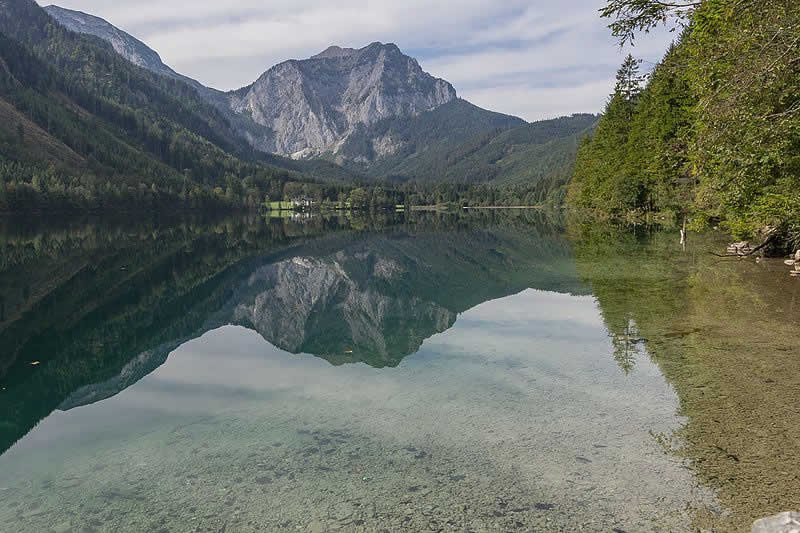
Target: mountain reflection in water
103, 305
484, 371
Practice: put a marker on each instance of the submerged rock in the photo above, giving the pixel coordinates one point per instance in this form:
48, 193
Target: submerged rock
782, 523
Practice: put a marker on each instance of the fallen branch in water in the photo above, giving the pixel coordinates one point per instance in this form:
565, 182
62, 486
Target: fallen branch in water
771, 235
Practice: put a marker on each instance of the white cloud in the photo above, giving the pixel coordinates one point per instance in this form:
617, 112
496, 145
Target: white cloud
543, 103
531, 58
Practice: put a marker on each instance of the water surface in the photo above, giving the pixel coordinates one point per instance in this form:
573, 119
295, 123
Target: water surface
438, 373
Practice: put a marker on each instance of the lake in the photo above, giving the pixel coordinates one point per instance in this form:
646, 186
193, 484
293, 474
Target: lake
499, 371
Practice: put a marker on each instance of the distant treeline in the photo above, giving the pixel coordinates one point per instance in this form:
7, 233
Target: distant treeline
29, 188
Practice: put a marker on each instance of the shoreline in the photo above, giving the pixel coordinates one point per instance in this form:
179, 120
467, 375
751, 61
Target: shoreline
495, 207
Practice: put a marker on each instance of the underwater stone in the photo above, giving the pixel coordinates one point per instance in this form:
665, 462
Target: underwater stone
782, 523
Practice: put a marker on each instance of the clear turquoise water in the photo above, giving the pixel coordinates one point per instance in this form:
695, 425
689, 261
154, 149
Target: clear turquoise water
418, 380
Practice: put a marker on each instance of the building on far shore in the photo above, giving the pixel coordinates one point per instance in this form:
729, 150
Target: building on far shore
302, 202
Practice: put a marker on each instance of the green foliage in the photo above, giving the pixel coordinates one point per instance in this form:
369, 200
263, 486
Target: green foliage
539, 156
421, 141
114, 131
610, 174
358, 198
747, 149
715, 133
461, 143
634, 16
629, 82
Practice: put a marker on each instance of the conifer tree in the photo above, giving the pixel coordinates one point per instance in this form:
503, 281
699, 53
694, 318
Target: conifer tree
629, 80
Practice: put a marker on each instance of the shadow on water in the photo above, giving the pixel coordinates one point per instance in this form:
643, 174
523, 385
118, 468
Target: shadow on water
89, 308
724, 334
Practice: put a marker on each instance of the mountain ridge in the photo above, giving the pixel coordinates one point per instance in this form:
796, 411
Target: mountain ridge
354, 115
311, 108
143, 140
123, 43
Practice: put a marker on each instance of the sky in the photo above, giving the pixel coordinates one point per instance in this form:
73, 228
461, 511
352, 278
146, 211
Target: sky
534, 58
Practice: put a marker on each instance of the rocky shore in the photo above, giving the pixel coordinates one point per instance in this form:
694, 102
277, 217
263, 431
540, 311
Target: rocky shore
745, 249
795, 264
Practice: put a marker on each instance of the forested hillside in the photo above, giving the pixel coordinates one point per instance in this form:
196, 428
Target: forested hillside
84, 129
415, 144
459, 142
463, 144
713, 132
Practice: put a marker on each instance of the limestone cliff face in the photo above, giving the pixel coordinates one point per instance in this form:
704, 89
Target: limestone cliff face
313, 305
312, 106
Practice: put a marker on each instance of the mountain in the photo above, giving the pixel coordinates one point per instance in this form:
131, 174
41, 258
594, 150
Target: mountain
138, 53
124, 125
344, 114
351, 106
124, 44
83, 128
314, 105
442, 145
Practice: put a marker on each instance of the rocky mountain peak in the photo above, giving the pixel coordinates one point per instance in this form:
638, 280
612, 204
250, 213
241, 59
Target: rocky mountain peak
363, 106
313, 106
335, 52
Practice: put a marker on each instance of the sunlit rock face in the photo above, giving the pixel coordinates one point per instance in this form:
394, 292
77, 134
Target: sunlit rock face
312, 106
313, 305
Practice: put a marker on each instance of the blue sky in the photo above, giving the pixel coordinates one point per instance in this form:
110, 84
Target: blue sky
534, 59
